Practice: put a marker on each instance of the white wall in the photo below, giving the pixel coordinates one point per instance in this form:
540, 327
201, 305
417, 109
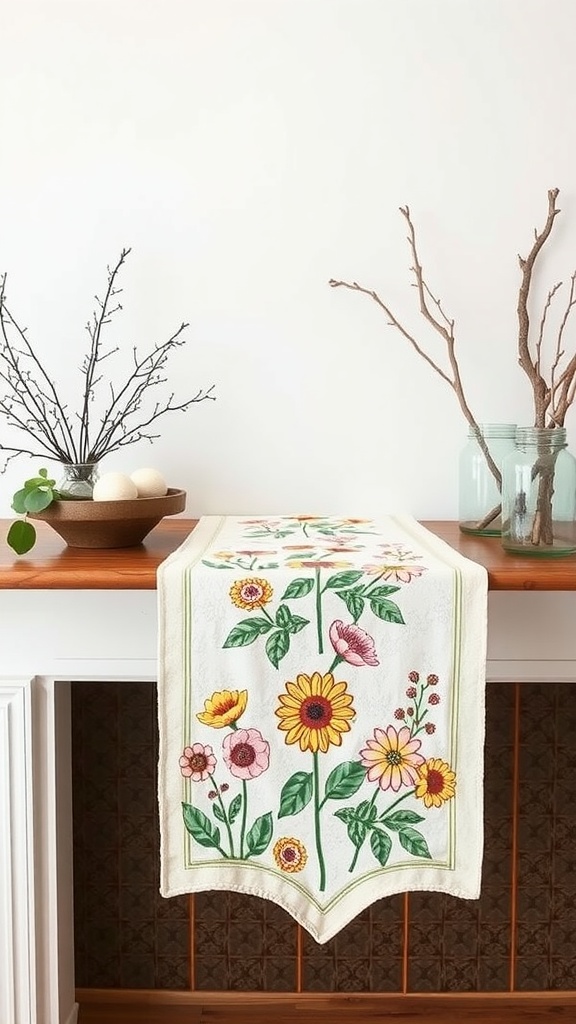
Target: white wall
249, 150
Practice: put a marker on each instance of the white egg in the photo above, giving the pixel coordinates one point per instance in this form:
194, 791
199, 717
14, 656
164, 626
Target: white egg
150, 483
114, 487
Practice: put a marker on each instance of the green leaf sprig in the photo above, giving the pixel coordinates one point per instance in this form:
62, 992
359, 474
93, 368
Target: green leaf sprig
37, 494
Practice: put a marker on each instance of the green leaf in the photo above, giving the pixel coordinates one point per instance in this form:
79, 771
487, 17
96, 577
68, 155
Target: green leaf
234, 809
354, 603
356, 827
277, 646
38, 499
18, 501
383, 591
297, 623
38, 481
259, 836
21, 536
217, 812
296, 794
200, 827
399, 819
343, 579
246, 632
297, 588
43, 472
414, 843
386, 610
381, 844
283, 616
366, 811
344, 780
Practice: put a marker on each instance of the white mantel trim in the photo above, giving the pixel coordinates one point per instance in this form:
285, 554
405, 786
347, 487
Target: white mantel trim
17, 936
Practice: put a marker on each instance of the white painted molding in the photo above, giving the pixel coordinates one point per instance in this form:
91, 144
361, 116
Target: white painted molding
17, 939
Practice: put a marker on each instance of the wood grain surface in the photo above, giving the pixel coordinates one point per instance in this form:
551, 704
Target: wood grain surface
53, 566
109, 1007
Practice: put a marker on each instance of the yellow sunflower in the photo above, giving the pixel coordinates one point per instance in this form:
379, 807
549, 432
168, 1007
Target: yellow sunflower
315, 711
437, 782
290, 854
223, 708
251, 593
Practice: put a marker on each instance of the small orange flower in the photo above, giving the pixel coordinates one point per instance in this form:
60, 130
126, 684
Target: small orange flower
290, 854
251, 593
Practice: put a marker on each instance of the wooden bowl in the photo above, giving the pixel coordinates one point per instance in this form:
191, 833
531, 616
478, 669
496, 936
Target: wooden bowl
110, 524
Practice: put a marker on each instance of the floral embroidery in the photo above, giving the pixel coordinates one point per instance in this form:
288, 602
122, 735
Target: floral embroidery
290, 854
437, 782
197, 762
353, 644
246, 753
251, 593
315, 711
223, 708
392, 758
399, 784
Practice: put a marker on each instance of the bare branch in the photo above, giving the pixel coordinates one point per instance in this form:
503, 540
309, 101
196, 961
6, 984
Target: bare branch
443, 325
32, 405
528, 363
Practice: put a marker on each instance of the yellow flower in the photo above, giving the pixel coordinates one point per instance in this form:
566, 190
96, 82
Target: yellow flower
437, 782
290, 854
251, 593
223, 708
315, 711
392, 758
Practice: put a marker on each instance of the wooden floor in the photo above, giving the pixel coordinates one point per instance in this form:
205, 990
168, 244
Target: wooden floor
326, 1009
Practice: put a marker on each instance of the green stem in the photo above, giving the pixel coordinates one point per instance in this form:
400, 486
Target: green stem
336, 661
244, 813
387, 811
321, 864
267, 614
319, 612
225, 816
359, 847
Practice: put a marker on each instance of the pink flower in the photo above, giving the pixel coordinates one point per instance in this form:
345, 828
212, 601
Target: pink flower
246, 753
197, 762
392, 758
402, 573
353, 644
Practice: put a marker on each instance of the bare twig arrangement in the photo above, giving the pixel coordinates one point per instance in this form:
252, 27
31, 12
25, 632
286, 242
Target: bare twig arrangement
33, 406
553, 395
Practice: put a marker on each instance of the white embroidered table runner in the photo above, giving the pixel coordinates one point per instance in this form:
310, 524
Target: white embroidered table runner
321, 712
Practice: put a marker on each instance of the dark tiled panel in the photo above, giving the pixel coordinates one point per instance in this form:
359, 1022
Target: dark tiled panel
128, 936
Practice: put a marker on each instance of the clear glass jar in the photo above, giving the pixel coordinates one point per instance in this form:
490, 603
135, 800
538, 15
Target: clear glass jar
479, 496
539, 494
78, 480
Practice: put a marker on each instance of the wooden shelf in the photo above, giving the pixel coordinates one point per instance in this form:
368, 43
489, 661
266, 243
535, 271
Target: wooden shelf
53, 566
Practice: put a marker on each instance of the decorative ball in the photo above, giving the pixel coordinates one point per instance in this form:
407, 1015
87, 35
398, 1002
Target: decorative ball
150, 483
114, 487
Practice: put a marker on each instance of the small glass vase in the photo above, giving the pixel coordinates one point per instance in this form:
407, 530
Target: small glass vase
77, 482
479, 498
539, 494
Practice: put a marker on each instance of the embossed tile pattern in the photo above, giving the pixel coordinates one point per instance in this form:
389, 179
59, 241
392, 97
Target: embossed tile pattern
128, 936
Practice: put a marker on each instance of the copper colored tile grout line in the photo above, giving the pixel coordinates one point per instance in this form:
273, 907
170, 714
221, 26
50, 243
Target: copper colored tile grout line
514, 846
299, 957
405, 943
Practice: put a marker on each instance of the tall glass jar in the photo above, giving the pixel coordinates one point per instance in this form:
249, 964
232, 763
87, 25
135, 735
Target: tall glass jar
479, 494
77, 482
539, 494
